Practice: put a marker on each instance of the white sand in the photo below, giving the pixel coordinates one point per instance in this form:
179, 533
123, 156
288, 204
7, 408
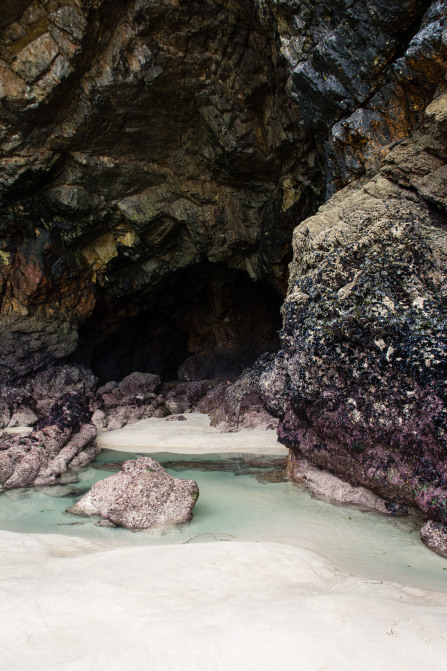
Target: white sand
195, 436
67, 604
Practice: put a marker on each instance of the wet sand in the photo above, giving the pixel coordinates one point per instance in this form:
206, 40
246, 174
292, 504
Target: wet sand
193, 436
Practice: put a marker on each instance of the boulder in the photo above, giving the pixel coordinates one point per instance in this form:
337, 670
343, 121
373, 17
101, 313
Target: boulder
359, 383
140, 496
139, 384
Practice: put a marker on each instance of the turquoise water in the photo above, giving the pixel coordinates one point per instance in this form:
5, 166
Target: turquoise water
237, 504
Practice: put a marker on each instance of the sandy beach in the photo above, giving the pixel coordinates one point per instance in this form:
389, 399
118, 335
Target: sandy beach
70, 604
193, 436
82, 604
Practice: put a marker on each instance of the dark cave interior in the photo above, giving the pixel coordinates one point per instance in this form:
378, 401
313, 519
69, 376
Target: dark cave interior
205, 322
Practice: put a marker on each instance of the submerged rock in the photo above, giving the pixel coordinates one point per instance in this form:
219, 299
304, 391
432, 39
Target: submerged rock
141, 496
63, 440
329, 487
434, 535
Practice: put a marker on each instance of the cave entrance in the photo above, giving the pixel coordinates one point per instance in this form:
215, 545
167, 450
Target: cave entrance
205, 322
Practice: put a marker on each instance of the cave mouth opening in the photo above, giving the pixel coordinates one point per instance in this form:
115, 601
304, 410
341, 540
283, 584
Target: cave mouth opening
205, 322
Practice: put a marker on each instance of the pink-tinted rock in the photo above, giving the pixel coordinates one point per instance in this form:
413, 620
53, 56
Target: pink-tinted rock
239, 405
44, 455
434, 535
359, 384
142, 495
328, 486
187, 394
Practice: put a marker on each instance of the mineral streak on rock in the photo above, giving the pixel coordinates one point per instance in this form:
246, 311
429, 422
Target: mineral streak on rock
142, 495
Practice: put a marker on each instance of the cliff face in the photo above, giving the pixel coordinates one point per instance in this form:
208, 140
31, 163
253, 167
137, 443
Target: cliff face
141, 139
156, 156
360, 382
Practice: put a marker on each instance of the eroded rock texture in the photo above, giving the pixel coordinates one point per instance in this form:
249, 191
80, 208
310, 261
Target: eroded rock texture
62, 441
360, 382
140, 139
140, 496
434, 535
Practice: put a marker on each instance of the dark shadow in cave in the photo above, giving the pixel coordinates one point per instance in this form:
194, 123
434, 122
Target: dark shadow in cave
204, 322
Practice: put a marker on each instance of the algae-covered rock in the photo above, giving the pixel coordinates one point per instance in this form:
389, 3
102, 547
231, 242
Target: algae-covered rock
360, 383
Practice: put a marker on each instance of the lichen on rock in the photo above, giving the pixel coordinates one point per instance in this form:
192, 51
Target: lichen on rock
360, 383
140, 496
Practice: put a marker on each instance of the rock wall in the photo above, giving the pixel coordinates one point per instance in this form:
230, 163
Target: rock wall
142, 138
360, 381
138, 139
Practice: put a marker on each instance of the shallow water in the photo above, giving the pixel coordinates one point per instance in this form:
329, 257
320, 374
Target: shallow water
234, 505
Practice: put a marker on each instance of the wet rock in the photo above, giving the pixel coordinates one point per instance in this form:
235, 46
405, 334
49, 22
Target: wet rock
434, 535
327, 486
105, 523
359, 384
176, 418
350, 68
61, 441
142, 495
271, 477
396, 508
110, 466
